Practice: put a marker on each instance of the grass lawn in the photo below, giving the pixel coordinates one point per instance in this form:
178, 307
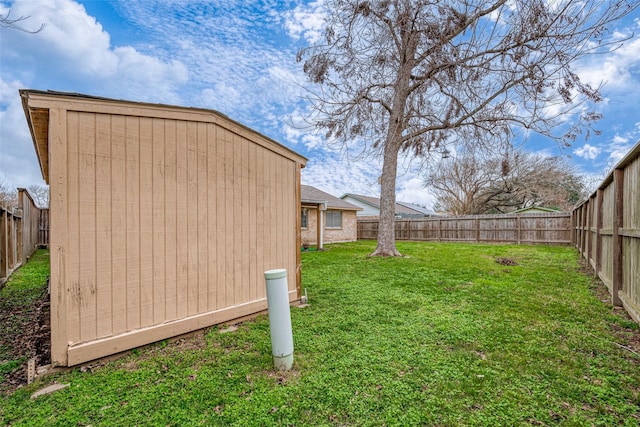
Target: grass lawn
20, 312
445, 336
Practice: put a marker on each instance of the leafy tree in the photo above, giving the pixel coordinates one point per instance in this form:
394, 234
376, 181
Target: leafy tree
408, 76
475, 183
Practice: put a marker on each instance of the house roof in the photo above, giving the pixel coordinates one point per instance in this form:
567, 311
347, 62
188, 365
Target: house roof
309, 194
536, 208
401, 207
417, 208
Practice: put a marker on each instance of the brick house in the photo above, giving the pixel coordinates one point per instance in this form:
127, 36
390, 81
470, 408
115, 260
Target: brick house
338, 220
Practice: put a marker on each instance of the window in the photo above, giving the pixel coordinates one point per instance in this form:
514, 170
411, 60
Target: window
305, 218
334, 219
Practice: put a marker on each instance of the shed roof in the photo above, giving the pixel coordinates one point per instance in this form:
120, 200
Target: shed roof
309, 194
37, 105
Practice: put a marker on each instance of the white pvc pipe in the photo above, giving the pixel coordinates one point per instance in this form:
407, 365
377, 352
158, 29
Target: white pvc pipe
279, 318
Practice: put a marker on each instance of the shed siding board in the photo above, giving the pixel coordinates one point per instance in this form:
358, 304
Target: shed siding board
158, 221
73, 219
161, 225
212, 279
260, 215
236, 213
58, 202
104, 281
118, 225
220, 219
201, 215
182, 237
229, 218
171, 213
132, 191
244, 213
252, 250
191, 219
87, 230
146, 222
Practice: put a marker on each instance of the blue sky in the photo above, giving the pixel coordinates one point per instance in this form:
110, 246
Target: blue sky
238, 57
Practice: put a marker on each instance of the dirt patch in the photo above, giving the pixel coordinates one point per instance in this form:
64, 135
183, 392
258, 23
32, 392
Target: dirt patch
506, 261
26, 333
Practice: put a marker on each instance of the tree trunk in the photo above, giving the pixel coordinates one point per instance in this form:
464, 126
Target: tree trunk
393, 141
386, 228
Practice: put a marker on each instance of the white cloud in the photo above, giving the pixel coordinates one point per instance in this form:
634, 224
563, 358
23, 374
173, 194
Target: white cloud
307, 21
336, 175
587, 151
620, 139
73, 43
18, 161
412, 190
615, 69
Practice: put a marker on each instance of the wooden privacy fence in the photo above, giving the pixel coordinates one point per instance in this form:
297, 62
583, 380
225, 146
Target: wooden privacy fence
607, 232
546, 228
22, 230
10, 241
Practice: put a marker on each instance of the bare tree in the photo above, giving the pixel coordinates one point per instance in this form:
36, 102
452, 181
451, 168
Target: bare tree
40, 194
407, 76
457, 184
475, 183
7, 21
8, 194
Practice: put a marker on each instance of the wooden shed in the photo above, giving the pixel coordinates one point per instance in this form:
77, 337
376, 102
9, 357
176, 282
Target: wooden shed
163, 220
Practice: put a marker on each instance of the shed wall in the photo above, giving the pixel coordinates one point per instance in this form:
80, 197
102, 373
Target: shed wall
160, 226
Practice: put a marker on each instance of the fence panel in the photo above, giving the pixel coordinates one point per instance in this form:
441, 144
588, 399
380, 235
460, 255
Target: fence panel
22, 231
43, 228
10, 222
30, 224
607, 232
554, 228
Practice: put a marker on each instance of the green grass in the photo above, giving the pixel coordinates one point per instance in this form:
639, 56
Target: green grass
444, 336
27, 285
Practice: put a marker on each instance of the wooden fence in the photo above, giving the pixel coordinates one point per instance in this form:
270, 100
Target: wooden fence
22, 231
607, 232
10, 242
543, 228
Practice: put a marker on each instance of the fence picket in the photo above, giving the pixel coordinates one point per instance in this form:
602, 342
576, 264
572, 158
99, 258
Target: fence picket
546, 228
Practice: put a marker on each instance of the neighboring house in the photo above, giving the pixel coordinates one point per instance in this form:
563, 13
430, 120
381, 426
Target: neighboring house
371, 207
535, 209
338, 221
163, 220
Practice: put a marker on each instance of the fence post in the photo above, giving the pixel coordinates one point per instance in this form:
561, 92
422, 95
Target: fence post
583, 234
4, 240
618, 182
599, 223
477, 230
573, 228
589, 236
